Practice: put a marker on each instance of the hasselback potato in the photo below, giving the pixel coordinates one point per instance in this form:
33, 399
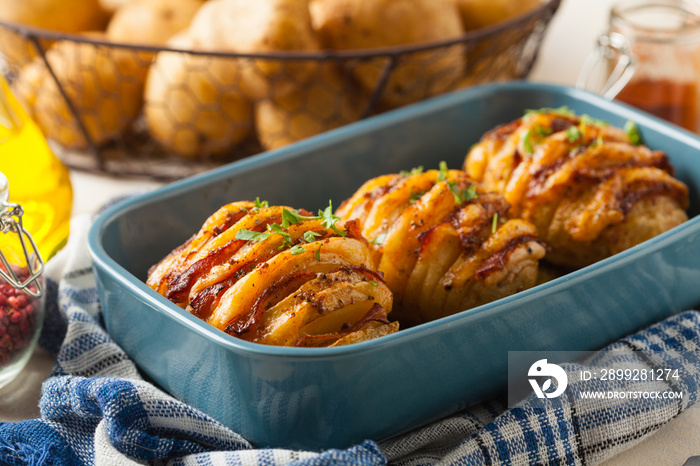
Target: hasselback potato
443, 244
591, 189
278, 276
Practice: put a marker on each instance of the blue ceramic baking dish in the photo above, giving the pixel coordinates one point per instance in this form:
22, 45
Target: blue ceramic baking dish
315, 398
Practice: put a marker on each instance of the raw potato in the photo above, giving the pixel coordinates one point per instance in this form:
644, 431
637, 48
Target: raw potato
364, 24
192, 104
480, 13
16, 50
65, 16
103, 84
112, 5
151, 22
270, 26
327, 102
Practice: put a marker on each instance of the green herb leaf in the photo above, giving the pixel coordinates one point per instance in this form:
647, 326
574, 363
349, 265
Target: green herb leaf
277, 228
462, 195
588, 120
254, 236
573, 133
442, 173
494, 223
414, 171
527, 142
379, 239
374, 283
296, 250
415, 196
318, 253
310, 236
633, 132
539, 129
290, 217
328, 219
471, 193
259, 204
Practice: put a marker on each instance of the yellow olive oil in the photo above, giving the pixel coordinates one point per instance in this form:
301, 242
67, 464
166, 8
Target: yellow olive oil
38, 181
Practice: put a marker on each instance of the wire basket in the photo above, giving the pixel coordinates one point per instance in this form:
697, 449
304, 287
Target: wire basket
193, 113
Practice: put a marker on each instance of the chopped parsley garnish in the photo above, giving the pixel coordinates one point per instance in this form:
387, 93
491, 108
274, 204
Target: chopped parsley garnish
290, 217
260, 204
318, 253
539, 129
494, 223
413, 171
573, 134
442, 172
415, 196
379, 239
310, 236
254, 236
278, 229
588, 120
374, 283
527, 142
296, 250
328, 219
462, 195
633, 132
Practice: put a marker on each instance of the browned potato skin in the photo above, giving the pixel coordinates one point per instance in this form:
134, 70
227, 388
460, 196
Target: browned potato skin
64, 15
367, 24
476, 14
324, 295
193, 105
590, 196
268, 27
328, 101
104, 84
439, 256
71, 16
151, 22
112, 6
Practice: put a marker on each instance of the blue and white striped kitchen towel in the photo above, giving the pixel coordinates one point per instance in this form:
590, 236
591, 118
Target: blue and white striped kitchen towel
97, 409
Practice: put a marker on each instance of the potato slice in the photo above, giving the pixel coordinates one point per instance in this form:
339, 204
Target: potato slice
443, 244
278, 276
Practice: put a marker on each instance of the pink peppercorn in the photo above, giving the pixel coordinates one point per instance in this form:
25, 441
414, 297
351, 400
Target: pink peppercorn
18, 321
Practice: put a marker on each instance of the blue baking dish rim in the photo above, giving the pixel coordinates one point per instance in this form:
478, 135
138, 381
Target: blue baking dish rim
102, 260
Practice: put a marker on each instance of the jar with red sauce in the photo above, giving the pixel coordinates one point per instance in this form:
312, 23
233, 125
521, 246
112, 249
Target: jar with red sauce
21, 289
652, 59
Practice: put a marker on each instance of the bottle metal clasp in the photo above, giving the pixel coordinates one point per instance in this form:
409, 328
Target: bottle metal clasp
11, 223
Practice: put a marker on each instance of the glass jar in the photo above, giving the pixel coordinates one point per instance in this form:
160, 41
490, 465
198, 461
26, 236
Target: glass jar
40, 182
651, 54
21, 289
